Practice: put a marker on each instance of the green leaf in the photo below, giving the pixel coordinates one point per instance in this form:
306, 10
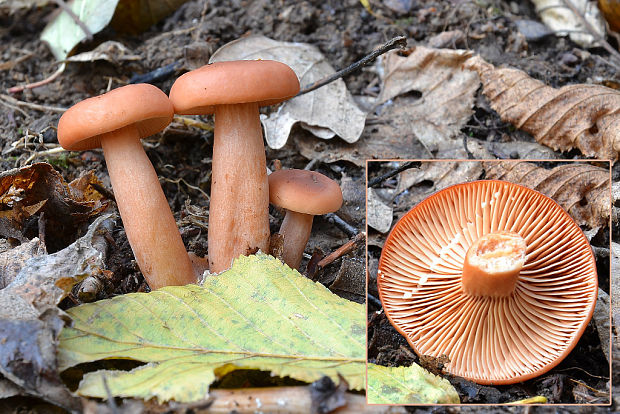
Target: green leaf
260, 314
63, 33
408, 385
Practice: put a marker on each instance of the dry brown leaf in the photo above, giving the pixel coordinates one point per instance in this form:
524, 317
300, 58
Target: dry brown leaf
38, 188
30, 320
426, 99
581, 189
580, 116
446, 97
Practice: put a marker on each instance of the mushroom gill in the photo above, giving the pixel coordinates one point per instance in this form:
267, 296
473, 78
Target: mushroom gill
524, 305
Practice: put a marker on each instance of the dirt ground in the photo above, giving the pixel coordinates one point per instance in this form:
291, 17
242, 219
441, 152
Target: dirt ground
344, 32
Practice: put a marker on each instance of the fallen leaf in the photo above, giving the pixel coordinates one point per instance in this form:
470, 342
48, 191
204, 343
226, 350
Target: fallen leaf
562, 20
62, 34
579, 188
135, 16
600, 317
379, 212
30, 321
425, 101
443, 92
110, 51
260, 314
408, 385
38, 188
12, 261
326, 112
580, 116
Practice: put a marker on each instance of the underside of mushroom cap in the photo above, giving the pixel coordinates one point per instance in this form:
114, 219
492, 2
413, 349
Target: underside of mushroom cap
489, 340
303, 191
266, 82
144, 105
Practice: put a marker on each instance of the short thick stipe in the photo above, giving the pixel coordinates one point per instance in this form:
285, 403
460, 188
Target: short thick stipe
492, 265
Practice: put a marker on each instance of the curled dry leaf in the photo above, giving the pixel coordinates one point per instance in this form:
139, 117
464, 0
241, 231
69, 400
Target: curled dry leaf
561, 19
30, 321
39, 188
326, 112
110, 51
581, 189
580, 116
426, 98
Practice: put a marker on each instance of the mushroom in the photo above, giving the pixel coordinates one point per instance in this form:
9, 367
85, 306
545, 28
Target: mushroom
239, 206
303, 194
495, 276
116, 121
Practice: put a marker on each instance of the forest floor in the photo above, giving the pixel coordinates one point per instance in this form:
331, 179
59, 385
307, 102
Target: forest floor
344, 31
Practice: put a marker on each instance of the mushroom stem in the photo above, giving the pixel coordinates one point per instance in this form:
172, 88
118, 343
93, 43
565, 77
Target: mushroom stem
492, 265
152, 232
239, 207
295, 229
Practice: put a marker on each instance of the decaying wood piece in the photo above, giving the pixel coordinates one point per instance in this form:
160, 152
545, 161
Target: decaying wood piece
581, 189
580, 116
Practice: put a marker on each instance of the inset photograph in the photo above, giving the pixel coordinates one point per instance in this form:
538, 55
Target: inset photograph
488, 282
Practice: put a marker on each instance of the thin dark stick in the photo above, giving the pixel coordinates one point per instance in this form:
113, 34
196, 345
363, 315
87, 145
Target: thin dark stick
397, 42
378, 180
67, 9
372, 300
348, 229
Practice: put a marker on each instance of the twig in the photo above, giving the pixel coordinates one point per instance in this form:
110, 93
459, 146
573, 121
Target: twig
158, 74
341, 224
342, 250
378, 180
110, 401
613, 52
30, 105
51, 151
397, 42
16, 89
291, 400
75, 18
373, 300
181, 180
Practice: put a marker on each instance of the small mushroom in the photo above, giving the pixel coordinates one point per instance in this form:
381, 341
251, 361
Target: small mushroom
116, 121
238, 212
493, 275
303, 194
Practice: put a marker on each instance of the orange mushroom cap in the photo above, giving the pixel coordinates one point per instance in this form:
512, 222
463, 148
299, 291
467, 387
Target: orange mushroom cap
226, 83
144, 105
512, 337
304, 191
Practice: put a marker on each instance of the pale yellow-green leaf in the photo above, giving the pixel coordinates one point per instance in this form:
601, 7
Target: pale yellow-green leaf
62, 34
260, 314
408, 385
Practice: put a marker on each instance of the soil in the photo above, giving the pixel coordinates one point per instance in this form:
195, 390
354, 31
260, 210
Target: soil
344, 32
